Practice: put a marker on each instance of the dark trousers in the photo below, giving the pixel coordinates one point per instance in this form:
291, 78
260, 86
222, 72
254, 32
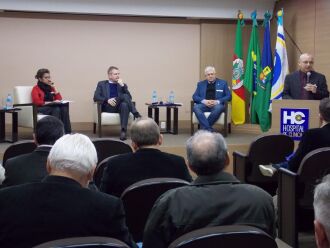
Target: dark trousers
124, 107
61, 111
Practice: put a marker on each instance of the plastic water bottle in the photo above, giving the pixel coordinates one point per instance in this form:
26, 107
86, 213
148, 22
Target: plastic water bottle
9, 101
171, 97
154, 97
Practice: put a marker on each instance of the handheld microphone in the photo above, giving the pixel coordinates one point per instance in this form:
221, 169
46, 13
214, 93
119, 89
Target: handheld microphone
308, 76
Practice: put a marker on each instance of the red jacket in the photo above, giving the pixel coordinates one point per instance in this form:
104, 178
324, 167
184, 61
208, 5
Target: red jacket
38, 96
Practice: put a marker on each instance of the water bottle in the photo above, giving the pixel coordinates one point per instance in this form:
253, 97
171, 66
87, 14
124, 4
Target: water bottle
9, 101
171, 97
154, 97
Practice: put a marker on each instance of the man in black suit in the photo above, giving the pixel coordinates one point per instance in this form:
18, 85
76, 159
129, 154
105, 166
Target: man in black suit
31, 167
61, 206
311, 139
146, 162
305, 83
115, 98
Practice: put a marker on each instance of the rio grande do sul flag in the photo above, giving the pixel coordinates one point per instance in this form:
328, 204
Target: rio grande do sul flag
238, 100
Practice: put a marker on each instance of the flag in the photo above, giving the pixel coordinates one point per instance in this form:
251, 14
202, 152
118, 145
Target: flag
261, 100
281, 68
238, 100
253, 68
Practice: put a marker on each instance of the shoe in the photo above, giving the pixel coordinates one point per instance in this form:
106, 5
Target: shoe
267, 170
122, 136
137, 115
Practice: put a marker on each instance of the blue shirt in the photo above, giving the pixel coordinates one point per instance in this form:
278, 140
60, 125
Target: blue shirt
113, 90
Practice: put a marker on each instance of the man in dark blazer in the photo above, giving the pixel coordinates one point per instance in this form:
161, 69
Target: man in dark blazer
61, 206
31, 167
305, 83
311, 139
115, 98
146, 162
210, 96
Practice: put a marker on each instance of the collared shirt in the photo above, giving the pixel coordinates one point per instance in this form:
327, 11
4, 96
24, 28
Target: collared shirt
210, 91
303, 81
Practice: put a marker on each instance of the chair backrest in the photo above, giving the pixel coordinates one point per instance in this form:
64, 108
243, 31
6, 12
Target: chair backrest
139, 198
84, 242
22, 94
18, 148
234, 236
266, 149
106, 147
314, 166
98, 173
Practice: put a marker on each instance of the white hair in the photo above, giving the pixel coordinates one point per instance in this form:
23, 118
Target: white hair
322, 204
74, 152
209, 69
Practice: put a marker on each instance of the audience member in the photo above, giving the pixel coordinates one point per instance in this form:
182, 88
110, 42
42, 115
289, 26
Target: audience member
31, 167
305, 83
210, 96
311, 139
46, 96
322, 213
61, 206
2, 174
146, 162
214, 197
116, 98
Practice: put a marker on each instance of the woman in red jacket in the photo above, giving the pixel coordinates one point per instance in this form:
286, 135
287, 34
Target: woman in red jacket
46, 97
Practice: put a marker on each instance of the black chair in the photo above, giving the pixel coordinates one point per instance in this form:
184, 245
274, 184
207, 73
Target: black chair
295, 194
84, 242
18, 148
99, 171
264, 149
106, 147
139, 198
223, 119
234, 236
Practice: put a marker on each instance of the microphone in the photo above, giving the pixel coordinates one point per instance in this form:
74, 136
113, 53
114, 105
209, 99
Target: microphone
308, 76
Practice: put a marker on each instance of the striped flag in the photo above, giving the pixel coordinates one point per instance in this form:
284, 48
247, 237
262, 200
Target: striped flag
281, 67
238, 101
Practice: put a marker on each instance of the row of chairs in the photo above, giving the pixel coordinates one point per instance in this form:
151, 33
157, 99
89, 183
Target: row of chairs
294, 190
210, 237
28, 115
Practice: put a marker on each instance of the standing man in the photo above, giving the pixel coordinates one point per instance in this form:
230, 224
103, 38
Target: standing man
305, 83
116, 98
210, 96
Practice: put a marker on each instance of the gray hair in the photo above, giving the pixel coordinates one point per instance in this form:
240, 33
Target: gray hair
322, 204
206, 152
73, 152
145, 132
209, 69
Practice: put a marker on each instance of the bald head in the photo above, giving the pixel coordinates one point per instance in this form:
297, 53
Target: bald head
207, 153
306, 62
145, 132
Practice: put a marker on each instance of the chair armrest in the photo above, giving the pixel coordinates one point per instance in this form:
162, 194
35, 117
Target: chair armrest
23, 104
240, 161
286, 204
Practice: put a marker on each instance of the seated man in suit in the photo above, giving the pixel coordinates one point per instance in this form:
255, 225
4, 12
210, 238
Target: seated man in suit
210, 96
305, 83
31, 167
146, 162
322, 213
214, 198
61, 206
311, 139
116, 98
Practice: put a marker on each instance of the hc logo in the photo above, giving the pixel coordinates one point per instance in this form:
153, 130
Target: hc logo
294, 117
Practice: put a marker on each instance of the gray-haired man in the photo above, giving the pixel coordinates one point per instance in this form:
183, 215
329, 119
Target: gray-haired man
214, 198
